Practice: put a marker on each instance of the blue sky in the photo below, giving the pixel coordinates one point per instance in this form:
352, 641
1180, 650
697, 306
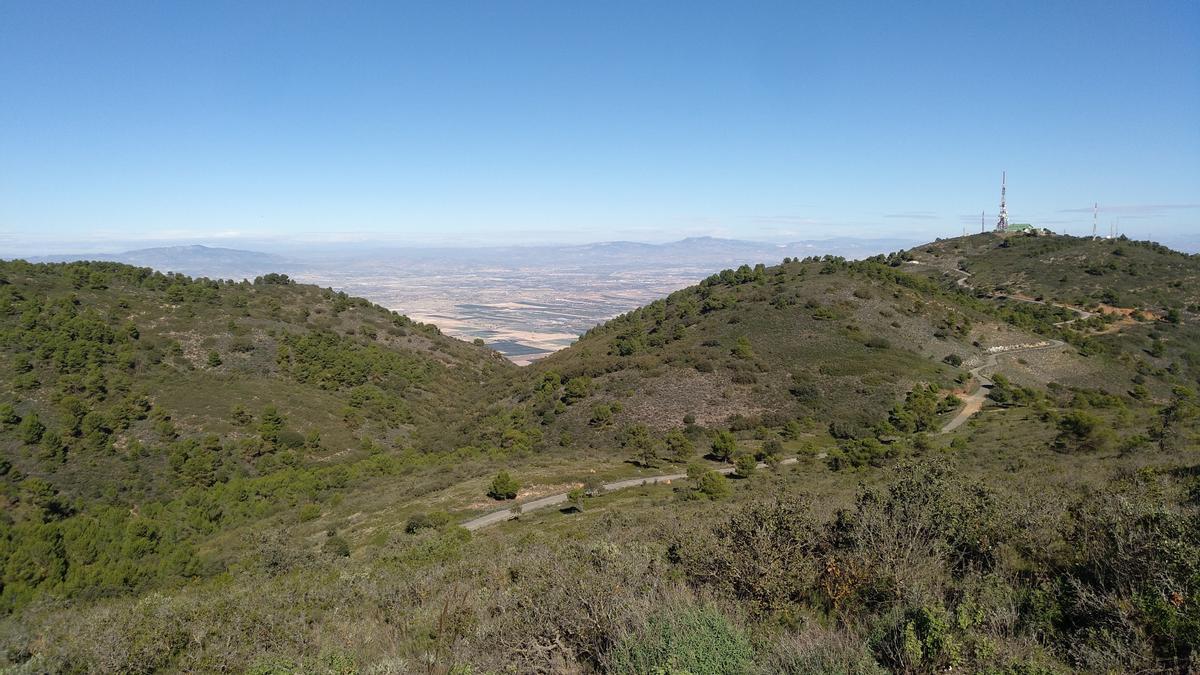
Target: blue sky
477, 123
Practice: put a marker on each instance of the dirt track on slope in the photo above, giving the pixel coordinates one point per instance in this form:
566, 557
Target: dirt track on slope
511, 512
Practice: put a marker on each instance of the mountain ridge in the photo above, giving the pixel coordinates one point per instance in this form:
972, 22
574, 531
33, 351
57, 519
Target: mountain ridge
189, 456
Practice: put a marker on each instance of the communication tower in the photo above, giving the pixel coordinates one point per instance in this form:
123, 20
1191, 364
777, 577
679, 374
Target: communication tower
1002, 223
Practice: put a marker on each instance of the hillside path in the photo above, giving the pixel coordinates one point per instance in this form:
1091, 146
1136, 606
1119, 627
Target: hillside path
973, 402
504, 514
961, 282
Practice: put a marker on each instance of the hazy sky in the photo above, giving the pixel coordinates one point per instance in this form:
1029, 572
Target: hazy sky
569, 121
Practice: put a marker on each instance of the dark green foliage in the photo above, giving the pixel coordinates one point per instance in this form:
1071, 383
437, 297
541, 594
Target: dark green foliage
641, 444
918, 412
270, 426
1174, 418
1081, 431
273, 279
679, 447
742, 349
31, 429
724, 445
602, 415
334, 362
705, 483
855, 453
745, 466
1133, 570
1002, 391
503, 486
8, 415
120, 461
772, 450
577, 388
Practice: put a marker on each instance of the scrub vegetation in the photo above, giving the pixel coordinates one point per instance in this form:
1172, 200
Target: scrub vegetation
202, 475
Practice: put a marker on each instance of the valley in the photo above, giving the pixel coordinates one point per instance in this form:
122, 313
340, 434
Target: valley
487, 338
822, 452
523, 301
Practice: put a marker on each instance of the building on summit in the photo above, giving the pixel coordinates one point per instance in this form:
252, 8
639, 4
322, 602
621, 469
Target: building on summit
1002, 224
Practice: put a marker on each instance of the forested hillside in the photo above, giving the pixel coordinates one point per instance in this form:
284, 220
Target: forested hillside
142, 412
919, 462
829, 344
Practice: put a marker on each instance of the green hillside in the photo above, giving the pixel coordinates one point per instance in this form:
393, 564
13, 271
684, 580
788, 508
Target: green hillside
1142, 297
1076, 270
143, 412
824, 343
269, 477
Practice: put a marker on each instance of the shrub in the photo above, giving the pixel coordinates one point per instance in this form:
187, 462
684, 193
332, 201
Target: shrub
641, 443
818, 651
805, 392
679, 447
8, 416
953, 359
724, 445
577, 388
290, 440
704, 482
764, 555
337, 547
310, 511
504, 486
31, 429
426, 521
1080, 431
745, 466
689, 640
575, 498
602, 415
742, 349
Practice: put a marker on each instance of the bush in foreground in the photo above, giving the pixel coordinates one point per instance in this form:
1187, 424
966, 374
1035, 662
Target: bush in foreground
687, 640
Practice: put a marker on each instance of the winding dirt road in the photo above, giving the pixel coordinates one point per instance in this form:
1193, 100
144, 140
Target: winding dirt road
973, 402
504, 514
961, 282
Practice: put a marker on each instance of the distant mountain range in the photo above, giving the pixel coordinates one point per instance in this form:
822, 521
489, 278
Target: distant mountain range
695, 252
196, 261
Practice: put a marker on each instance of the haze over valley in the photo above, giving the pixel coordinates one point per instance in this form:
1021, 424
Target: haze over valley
523, 301
619, 338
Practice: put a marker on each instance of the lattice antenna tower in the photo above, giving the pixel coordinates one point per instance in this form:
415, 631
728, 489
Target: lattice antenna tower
1002, 223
